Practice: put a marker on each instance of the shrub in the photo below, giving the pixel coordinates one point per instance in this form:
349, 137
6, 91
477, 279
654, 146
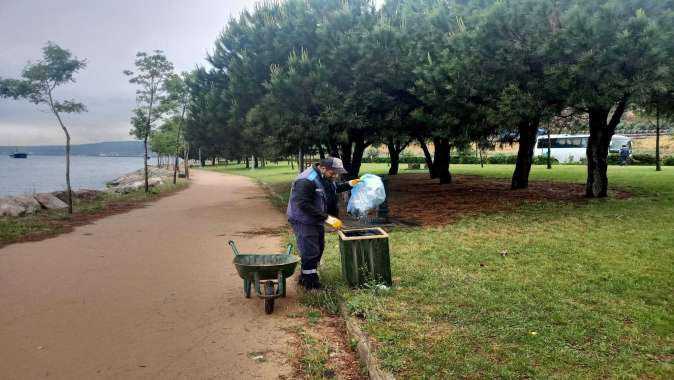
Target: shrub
643, 159
668, 161
502, 159
412, 160
543, 160
469, 159
371, 154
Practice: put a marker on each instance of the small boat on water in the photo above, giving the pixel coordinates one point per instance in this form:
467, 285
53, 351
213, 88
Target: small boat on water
19, 155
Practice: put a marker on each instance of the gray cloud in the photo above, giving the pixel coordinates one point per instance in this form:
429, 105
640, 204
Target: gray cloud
108, 34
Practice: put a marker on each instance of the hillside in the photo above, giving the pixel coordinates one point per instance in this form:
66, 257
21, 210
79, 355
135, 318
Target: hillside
109, 148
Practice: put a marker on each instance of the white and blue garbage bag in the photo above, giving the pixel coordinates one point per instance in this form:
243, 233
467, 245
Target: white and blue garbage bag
367, 195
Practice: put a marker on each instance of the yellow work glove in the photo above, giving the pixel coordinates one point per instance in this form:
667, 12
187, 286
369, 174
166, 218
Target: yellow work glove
334, 222
354, 182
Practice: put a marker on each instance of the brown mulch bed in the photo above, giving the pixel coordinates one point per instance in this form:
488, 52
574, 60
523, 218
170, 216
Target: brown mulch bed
418, 200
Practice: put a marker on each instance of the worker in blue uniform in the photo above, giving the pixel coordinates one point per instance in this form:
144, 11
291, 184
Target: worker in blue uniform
313, 203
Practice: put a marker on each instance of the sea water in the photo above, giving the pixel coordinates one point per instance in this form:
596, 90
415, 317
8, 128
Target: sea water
37, 174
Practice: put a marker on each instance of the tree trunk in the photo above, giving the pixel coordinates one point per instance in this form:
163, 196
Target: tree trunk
213, 160
300, 159
147, 186
597, 163
549, 149
394, 151
394, 155
68, 188
202, 161
175, 169
256, 163
346, 154
334, 149
429, 160
187, 161
657, 138
69, 191
356, 159
441, 160
247, 162
321, 151
525, 154
601, 131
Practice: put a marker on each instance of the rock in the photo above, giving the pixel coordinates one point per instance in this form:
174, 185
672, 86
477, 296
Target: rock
18, 206
154, 181
127, 187
87, 194
10, 208
136, 180
50, 201
29, 203
82, 194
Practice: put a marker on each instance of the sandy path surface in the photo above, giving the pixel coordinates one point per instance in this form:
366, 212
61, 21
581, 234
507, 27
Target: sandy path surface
149, 294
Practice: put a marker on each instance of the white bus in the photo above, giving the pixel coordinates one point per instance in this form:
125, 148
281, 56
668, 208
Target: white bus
571, 148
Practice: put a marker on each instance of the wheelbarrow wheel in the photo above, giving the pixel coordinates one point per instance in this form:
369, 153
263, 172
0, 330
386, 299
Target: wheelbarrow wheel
269, 302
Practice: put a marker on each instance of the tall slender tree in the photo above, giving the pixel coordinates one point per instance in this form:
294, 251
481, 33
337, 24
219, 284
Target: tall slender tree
176, 103
38, 84
151, 72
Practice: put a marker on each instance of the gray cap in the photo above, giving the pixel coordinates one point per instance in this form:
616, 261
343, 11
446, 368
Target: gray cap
335, 164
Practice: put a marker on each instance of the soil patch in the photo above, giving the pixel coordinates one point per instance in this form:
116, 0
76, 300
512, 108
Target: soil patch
266, 231
326, 334
416, 199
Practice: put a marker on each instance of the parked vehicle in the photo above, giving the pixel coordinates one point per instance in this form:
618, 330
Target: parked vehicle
572, 148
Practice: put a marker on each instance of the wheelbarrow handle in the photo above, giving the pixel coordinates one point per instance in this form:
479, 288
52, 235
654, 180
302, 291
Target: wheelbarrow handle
289, 250
236, 251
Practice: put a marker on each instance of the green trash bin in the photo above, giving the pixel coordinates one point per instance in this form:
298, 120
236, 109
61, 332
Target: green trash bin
364, 253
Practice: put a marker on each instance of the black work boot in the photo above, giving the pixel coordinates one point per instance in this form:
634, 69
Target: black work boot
310, 281
313, 281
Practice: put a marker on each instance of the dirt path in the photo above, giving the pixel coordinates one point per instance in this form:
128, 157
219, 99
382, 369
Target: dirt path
148, 294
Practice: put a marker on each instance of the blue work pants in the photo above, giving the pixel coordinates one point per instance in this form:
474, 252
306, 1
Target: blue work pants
311, 243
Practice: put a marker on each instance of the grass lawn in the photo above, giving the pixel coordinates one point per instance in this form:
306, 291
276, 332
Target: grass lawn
583, 292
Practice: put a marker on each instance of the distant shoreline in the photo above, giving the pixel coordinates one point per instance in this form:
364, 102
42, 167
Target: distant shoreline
102, 149
86, 155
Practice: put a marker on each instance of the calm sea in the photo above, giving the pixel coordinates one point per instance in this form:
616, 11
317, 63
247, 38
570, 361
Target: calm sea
37, 174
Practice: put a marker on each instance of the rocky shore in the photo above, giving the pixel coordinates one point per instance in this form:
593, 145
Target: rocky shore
25, 205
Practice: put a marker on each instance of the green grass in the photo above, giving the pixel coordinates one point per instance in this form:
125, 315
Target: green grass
53, 222
583, 292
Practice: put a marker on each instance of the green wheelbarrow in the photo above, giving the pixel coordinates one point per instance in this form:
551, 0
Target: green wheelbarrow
270, 270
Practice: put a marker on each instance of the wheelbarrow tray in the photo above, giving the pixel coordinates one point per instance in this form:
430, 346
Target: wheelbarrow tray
267, 267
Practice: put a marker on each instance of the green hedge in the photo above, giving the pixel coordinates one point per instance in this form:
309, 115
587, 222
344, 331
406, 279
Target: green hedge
669, 161
500, 159
643, 159
543, 160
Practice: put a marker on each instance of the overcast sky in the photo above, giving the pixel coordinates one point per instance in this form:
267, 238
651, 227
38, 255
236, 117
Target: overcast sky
108, 34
